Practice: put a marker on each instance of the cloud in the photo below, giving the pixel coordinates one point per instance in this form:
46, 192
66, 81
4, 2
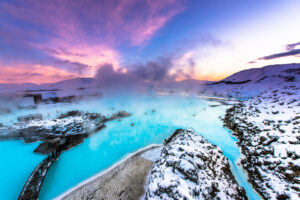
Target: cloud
252, 62
18, 51
102, 21
94, 56
283, 54
290, 47
203, 39
153, 72
74, 67
107, 76
139, 73
75, 36
62, 51
290, 51
33, 74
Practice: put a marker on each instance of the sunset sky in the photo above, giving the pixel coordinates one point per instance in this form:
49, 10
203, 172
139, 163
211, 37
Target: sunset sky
50, 41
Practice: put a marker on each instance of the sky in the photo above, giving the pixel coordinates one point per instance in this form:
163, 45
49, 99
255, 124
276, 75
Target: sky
50, 41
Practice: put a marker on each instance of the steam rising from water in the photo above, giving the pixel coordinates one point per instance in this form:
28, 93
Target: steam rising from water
150, 73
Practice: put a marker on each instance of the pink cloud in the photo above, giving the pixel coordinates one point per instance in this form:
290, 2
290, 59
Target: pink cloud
110, 21
84, 59
74, 38
33, 74
137, 25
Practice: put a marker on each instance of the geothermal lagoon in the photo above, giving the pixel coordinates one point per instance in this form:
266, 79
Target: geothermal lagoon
153, 119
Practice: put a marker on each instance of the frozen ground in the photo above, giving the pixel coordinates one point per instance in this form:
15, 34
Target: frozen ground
268, 127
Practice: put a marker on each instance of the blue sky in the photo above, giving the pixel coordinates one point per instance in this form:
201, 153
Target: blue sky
204, 39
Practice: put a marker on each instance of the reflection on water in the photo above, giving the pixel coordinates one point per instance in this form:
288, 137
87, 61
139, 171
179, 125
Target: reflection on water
153, 119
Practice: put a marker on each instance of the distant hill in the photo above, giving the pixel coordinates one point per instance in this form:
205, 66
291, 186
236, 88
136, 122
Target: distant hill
75, 83
81, 83
70, 83
251, 82
16, 87
268, 73
245, 83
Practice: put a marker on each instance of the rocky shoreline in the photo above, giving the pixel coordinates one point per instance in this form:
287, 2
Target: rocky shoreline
66, 131
186, 167
267, 127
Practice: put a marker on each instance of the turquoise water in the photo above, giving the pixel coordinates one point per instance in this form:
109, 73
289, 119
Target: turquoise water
117, 140
17, 163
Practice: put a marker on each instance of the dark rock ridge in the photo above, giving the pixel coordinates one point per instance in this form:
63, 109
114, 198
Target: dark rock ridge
190, 167
229, 82
268, 129
35, 181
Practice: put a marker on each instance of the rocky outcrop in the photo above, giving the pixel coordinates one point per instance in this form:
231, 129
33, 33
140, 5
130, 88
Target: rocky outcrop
66, 131
268, 129
192, 168
32, 128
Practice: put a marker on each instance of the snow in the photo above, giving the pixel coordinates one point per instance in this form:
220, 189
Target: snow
260, 80
269, 118
270, 123
81, 123
152, 154
257, 74
190, 167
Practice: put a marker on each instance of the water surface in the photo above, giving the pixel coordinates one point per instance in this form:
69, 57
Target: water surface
153, 119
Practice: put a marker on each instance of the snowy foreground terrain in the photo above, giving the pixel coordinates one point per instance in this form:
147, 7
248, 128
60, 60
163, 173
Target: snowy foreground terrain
266, 123
268, 127
190, 167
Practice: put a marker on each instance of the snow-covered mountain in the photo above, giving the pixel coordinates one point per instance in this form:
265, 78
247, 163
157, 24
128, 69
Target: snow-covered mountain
4, 88
243, 85
266, 74
246, 83
251, 82
75, 83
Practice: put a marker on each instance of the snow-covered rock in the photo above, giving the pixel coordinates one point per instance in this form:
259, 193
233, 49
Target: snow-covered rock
268, 128
66, 131
33, 127
190, 167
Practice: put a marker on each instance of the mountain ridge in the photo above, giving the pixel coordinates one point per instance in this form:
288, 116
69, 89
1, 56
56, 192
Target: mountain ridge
266, 74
